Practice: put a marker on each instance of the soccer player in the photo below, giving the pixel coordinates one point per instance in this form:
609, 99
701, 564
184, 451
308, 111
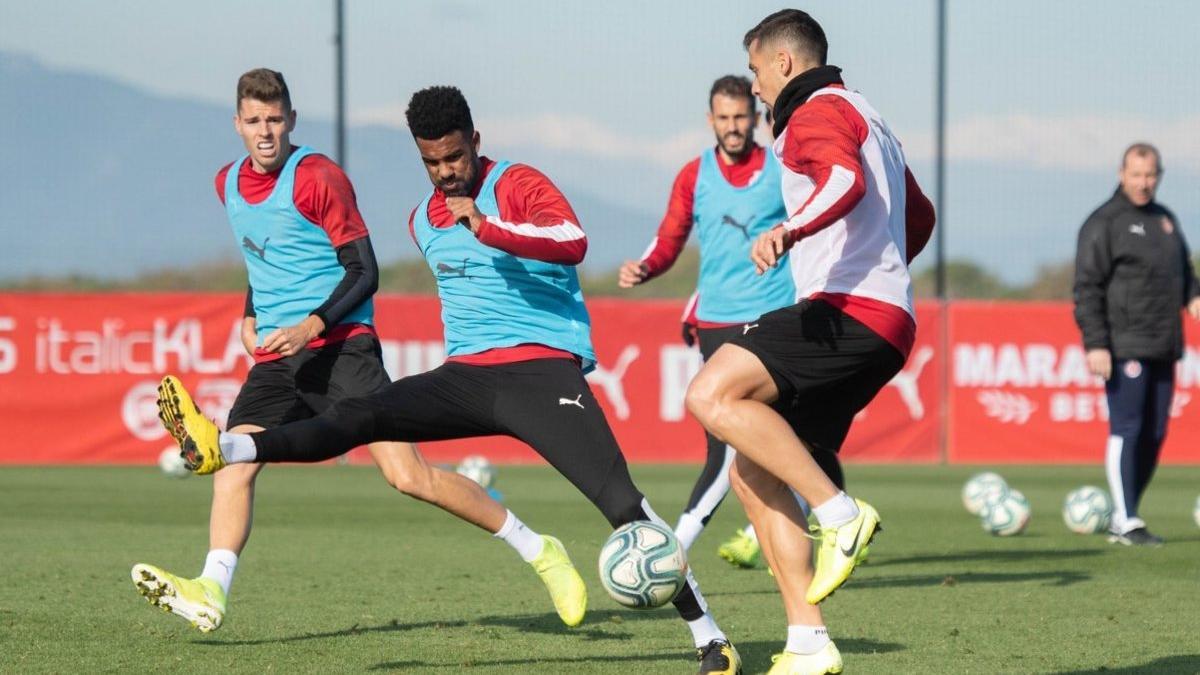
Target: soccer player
856, 216
308, 324
730, 195
502, 242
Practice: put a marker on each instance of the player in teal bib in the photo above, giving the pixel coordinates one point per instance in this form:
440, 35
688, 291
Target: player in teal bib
493, 299
291, 265
728, 219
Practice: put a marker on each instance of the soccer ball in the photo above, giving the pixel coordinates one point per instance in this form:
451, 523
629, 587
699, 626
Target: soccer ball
981, 488
1196, 512
1087, 510
642, 565
171, 463
478, 469
1006, 515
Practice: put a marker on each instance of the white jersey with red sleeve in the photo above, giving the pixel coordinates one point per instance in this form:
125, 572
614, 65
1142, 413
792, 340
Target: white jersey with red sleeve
862, 252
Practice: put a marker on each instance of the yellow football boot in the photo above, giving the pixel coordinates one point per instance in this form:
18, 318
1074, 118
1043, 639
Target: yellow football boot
562, 580
826, 661
719, 658
741, 550
200, 601
198, 437
840, 551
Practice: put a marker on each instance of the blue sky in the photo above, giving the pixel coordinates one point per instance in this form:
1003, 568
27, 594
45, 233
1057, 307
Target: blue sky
1037, 90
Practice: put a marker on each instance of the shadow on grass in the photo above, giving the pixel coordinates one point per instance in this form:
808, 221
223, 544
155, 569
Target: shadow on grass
756, 656
590, 629
1184, 663
392, 627
1020, 555
1055, 578
674, 657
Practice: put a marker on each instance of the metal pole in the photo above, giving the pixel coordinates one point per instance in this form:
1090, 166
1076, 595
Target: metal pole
939, 155
339, 48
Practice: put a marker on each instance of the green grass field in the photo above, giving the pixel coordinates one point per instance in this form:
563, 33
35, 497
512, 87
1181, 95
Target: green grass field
343, 574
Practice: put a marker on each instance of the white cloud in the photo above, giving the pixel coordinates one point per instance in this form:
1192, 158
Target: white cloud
1073, 142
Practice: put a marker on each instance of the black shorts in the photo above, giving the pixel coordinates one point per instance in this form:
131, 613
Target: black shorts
827, 364
306, 384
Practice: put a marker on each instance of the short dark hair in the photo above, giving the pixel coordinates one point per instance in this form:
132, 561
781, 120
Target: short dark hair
733, 86
801, 32
263, 84
1142, 150
436, 111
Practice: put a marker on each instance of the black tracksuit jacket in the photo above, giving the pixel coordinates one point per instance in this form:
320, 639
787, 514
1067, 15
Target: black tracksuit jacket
1133, 274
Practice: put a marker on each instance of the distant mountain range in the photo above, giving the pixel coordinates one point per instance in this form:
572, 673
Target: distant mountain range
104, 179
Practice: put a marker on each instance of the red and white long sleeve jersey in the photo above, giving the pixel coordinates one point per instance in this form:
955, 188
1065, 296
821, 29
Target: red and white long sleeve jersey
856, 213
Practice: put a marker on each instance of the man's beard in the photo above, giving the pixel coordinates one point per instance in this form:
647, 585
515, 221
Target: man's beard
745, 147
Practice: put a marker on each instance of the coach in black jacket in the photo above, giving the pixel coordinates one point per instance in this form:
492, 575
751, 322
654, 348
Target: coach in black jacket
1133, 275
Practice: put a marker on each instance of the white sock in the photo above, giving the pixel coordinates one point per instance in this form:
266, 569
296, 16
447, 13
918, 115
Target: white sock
837, 511
219, 566
705, 630
749, 531
806, 639
688, 529
237, 447
527, 543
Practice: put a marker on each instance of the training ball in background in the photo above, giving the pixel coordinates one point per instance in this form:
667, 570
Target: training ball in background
172, 464
478, 469
1007, 515
981, 488
642, 565
1196, 512
1087, 510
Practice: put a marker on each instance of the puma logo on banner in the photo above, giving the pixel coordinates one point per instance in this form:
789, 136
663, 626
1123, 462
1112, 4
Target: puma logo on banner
610, 380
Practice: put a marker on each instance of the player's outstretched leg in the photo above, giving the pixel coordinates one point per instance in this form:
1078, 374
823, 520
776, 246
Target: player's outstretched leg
579, 444
198, 437
200, 601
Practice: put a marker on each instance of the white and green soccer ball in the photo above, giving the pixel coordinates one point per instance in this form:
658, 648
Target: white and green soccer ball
1087, 510
1196, 512
1006, 515
170, 462
478, 469
642, 565
981, 488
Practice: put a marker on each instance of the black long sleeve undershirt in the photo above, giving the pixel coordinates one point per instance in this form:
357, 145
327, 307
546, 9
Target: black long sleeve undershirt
360, 282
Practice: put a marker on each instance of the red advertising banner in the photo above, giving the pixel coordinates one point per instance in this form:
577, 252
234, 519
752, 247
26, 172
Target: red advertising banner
1021, 391
78, 375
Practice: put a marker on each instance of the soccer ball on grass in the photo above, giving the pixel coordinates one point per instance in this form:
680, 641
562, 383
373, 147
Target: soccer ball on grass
1087, 510
642, 565
1006, 515
981, 488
